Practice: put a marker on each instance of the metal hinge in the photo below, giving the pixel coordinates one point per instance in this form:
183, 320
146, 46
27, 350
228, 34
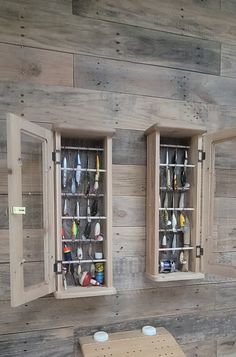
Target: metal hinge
57, 267
199, 251
201, 155
56, 156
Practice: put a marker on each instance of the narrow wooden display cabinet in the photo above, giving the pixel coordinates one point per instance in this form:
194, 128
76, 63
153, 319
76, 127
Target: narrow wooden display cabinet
60, 211
180, 217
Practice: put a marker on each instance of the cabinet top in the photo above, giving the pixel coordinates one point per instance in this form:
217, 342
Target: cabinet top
86, 132
175, 128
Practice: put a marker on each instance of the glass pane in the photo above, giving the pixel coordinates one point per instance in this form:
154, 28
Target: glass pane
224, 215
32, 200
3, 176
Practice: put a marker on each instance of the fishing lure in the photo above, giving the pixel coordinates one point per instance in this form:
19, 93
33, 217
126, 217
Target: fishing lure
175, 172
181, 220
187, 232
168, 181
87, 229
74, 229
174, 243
73, 185
97, 174
97, 232
79, 253
166, 220
90, 250
65, 208
79, 269
64, 271
92, 270
64, 172
164, 241
94, 209
181, 200
77, 210
68, 258
183, 177
174, 222
62, 233
87, 180
78, 169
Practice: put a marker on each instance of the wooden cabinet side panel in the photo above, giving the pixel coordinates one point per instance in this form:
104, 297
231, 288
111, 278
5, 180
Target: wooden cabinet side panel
152, 241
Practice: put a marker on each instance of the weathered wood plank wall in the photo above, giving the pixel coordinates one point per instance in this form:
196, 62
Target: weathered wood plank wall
120, 65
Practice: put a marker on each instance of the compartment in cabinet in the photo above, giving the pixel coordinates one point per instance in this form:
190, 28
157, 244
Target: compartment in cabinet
173, 203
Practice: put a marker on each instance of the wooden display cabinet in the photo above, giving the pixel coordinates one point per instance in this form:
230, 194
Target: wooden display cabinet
179, 214
60, 211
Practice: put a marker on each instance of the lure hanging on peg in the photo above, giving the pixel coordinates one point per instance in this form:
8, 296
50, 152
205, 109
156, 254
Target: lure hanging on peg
77, 210
78, 170
79, 269
62, 233
97, 174
168, 181
64, 172
90, 251
174, 244
94, 209
175, 172
97, 232
92, 270
164, 241
73, 185
79, 253
65, 208
183, 177
74, 230
174, 222
166, 220
64, 271
181, 220
87, 179
181, 200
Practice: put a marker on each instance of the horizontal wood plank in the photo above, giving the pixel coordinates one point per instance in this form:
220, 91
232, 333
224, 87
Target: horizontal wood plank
128, 242
203, 349
129, 180
112, 40
128, 211
53, 104
129, 148
172, 16
45, 343
226, 347
228, 60
119, 76
35, 65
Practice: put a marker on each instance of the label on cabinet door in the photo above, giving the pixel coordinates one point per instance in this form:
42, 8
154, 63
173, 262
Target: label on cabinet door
18, 210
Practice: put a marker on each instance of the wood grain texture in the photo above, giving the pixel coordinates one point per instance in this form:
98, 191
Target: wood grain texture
228, 60
45, 343
203, 349
129, 180
46, 104
129, 148
128, 211
176, 17
35, 65
226, 347
140, 79
128, 242
115, 40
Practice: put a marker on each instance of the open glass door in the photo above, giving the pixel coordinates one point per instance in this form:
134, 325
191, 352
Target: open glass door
31, 210
219, 203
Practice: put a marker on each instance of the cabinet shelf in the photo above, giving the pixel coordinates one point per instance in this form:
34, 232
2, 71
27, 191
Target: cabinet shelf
180, 189
175, 146
83, 170
79, 241
85, 261
177, 165
82, 148
84, 217
171, 249
176, 209
83, 195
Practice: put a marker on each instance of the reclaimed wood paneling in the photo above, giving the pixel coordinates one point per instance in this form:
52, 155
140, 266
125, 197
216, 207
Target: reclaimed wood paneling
128, 211
34, 65
46, 104
226, 347
113, 40
140, 79
174, 17
128, 242
228, 60
203, 349
129, 180
129, 148
45, 343
228, 5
